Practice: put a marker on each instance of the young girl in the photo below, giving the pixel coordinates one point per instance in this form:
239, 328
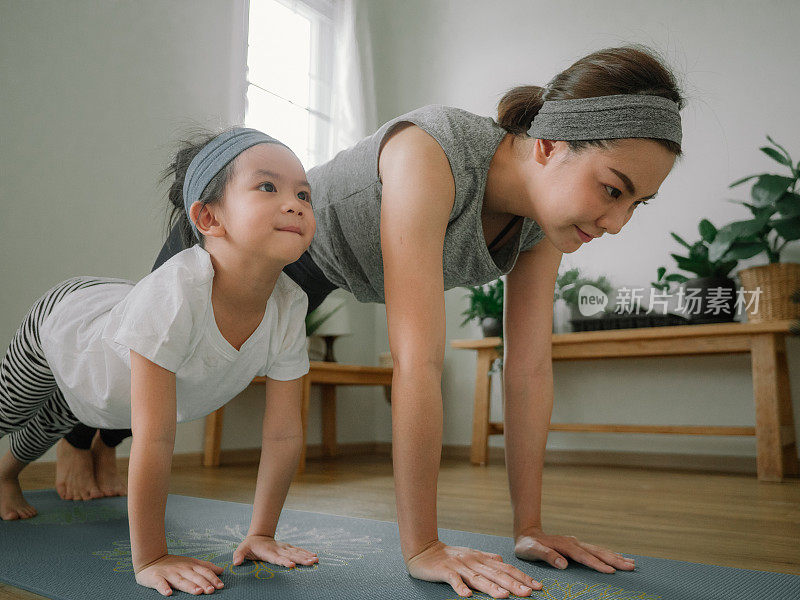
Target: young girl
176, 346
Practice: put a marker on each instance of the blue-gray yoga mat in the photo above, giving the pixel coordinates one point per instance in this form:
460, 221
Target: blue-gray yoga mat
74, 550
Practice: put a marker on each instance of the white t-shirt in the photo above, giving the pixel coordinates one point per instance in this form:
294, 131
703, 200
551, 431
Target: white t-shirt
168, 318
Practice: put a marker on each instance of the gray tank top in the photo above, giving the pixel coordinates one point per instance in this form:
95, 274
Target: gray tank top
346, 198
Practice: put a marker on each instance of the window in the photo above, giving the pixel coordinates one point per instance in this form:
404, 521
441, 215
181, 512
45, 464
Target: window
289, 65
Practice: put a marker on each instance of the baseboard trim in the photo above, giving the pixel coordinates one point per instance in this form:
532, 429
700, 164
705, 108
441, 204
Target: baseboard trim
648, 460
644, 460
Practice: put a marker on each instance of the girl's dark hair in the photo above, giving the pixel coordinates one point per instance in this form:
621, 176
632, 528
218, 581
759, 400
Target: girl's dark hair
175, 173
632, 69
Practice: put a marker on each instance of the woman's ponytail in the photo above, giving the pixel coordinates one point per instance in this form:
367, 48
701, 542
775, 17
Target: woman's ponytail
518, 107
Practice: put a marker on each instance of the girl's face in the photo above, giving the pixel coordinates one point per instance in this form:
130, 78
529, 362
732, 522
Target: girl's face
266, 210
594, 190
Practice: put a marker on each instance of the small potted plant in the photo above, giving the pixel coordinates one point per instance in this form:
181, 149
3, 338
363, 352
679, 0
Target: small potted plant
712, 281
486, 307
569, 284
314, 319
664, 284
562, 313
775, 207
561, 310
567, 294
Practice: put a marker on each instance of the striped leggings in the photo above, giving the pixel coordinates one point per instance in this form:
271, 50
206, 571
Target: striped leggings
32, 408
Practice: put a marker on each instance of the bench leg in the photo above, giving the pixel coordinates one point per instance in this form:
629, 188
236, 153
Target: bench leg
775, 434
480, 416
213, 438
329, 420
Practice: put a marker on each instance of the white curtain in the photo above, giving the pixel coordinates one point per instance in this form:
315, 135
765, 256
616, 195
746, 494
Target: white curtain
353, 102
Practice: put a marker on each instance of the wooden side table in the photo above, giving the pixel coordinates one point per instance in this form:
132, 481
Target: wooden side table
774, 427
326, 374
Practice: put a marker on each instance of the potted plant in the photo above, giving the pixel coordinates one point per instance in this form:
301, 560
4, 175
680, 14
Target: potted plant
314, 319
712, 304
664, 284
569, 284
561, 311
486, 307
775, 207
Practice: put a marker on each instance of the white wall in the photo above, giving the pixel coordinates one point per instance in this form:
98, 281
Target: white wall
737, 64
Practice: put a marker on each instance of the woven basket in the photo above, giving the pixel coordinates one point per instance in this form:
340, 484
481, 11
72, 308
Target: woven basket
777, 281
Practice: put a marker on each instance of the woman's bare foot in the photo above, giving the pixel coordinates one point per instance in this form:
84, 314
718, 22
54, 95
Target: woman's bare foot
12, 503
105, 469
74, 473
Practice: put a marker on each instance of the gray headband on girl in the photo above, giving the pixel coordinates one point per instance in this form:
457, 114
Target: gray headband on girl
608, 117
212, 159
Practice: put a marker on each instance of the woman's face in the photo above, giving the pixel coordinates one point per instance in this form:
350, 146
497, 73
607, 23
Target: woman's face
266, 209
594, 190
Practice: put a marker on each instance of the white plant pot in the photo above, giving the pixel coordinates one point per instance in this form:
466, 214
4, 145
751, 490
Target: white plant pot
561, 316
315, 347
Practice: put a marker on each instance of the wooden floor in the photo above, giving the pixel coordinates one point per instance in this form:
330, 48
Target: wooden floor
713, 518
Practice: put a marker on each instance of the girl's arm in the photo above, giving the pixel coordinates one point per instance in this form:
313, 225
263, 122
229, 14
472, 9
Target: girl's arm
418, 196
281, 444
153, 421
528, 390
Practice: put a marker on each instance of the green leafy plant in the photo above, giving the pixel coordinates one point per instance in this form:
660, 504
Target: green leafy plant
698, 261
565, 280
775, 207
484, 301
569, 283
317, 317
663, 283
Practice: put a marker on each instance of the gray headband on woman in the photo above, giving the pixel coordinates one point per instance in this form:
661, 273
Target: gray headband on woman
608, 117
212, 159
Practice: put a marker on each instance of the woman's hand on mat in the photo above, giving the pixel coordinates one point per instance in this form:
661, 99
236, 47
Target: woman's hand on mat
535, 544
465, 568
190, 575
264, 547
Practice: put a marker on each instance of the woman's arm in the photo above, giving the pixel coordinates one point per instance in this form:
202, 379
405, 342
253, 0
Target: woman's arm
418, 196
281, 444
528, 376
528, 392
153, 421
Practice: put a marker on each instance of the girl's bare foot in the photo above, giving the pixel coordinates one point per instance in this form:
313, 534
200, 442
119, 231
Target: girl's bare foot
12, 503
105, 469
74, 473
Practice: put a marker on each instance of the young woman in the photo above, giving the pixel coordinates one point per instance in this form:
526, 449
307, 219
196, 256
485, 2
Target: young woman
439, 198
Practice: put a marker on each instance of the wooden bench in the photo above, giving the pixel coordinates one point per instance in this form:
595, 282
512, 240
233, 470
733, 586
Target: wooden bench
326, 374
774, 422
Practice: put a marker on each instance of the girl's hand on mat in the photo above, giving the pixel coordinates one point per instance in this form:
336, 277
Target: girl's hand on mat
535, 544
190, 575
264, 547
463, 567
